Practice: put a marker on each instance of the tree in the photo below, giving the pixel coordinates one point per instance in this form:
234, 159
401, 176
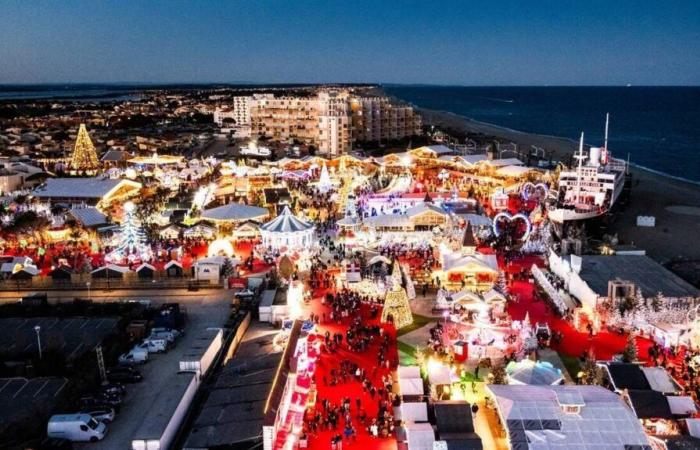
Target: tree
591, 373
227, 268
631, 352
498, 375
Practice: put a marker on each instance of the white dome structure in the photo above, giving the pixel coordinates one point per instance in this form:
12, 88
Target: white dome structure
287, 231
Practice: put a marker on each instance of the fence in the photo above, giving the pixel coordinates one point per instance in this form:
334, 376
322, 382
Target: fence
47, 283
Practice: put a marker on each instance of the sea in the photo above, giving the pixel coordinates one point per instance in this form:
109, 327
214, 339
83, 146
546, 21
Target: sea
659, 127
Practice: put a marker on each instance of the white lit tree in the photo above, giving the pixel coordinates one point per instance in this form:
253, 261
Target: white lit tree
132, 239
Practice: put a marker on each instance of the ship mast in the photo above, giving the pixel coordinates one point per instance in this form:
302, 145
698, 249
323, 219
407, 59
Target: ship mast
580, 167
607, 122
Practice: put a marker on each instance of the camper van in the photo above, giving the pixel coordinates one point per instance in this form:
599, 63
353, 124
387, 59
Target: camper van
76, 428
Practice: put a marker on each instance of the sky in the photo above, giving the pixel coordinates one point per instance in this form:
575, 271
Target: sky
469, 42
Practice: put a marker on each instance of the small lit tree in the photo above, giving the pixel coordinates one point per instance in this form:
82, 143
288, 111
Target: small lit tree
630, 352
498, 375
591, 373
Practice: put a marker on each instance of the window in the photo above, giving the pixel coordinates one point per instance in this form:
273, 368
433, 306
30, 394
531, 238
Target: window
571, 409
83, 428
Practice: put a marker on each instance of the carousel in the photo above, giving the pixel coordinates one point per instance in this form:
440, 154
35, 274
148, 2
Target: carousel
287, 232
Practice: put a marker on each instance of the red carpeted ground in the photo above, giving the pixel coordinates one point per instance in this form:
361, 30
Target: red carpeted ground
573, 343
352, 389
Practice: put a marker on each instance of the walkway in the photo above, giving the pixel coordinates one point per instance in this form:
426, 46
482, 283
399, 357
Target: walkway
351, 389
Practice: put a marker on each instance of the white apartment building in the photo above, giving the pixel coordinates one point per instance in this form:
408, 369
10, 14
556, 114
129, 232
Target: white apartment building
332, 120
239, 112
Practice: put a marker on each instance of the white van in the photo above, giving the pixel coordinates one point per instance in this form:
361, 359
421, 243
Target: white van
136, 355
76, 428
154, 345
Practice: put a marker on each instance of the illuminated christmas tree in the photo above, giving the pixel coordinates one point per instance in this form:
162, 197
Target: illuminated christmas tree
132, 239
84, 157
396, 305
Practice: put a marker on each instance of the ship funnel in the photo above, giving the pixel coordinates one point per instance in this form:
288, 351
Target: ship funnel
594, 156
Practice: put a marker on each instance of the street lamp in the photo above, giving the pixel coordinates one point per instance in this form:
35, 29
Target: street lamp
89, 291
37, 328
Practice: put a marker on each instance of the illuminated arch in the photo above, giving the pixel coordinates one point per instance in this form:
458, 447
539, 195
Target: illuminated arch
529, 188
220, 246
509, 218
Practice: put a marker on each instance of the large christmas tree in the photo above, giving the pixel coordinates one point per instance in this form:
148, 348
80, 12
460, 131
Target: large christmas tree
84, 157
396, 305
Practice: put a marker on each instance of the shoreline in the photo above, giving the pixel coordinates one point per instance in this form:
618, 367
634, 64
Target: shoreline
653, 192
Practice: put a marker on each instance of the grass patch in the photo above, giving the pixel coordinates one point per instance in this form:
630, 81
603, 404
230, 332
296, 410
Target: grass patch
418, 322
407, 354
572, 364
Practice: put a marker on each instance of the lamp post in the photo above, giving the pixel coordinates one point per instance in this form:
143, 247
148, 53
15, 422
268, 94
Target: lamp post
89, 291
37, 328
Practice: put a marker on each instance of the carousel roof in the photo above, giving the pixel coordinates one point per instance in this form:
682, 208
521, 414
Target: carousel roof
234, 212
286, 223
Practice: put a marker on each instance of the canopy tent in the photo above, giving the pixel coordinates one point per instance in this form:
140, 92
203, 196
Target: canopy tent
411, 386
528, 371
412, 412
681, 405
419, 436
408, 372
234, 212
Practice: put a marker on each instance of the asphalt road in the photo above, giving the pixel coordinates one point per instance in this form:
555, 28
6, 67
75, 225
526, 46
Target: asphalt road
206, 309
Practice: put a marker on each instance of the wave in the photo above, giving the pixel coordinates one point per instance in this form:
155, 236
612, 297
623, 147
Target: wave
664, 174
501, 100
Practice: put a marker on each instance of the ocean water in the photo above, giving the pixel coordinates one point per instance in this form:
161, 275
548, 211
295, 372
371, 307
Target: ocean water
658, 126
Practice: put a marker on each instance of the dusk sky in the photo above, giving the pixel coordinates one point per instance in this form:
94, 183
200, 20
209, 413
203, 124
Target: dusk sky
453, 42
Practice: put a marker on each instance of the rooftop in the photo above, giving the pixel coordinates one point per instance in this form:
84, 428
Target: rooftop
535, 419
235, 408
648, 275
94, 187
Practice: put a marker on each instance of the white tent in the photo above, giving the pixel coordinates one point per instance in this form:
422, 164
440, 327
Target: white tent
412, 412
411, 386
408, 372
681, 406
440, 375
419, 436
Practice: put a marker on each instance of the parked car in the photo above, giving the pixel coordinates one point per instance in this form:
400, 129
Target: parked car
170, 336
124, 376
76, 428
174, 332
100, 401
105, 415
154, 345
113, 389
136, 355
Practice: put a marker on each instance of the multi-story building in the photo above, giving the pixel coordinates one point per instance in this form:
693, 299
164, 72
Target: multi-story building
238, 113
378, 118
334, 123
332, 120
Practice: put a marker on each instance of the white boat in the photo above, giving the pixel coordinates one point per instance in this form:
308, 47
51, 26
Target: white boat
592, 188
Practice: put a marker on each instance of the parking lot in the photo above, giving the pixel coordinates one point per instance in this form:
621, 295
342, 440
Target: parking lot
208, 309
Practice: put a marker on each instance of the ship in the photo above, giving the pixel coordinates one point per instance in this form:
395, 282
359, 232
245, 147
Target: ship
592, 188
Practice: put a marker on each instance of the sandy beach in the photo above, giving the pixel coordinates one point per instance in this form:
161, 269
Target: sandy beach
674, 203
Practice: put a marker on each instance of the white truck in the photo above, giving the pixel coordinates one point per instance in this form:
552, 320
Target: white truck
76, 428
